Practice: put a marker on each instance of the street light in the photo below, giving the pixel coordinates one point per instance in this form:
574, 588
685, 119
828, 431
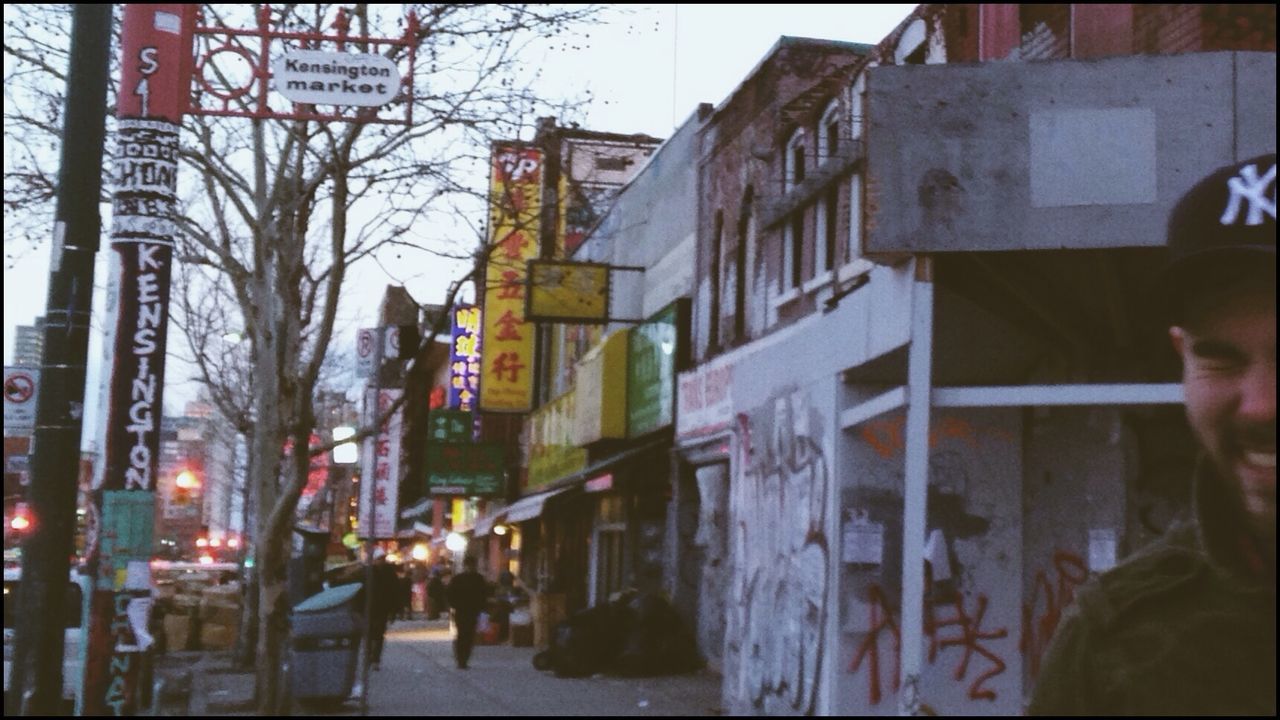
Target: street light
455, 542
346, 453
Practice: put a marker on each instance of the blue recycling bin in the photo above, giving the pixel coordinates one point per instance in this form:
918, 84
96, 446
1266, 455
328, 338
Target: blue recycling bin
324, 642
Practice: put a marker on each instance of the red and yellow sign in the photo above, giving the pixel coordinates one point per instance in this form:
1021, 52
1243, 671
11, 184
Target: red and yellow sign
515, 202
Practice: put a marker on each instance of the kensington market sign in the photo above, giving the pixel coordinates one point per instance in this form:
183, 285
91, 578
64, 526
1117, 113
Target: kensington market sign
332, 78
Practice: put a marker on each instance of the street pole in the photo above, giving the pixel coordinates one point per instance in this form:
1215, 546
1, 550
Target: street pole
46, 558
156, 60
368, 488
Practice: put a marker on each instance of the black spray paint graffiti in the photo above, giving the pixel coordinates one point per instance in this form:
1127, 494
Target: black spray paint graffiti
778, 594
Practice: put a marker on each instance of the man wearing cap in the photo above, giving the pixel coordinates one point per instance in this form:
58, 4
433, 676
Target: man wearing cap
1188, 625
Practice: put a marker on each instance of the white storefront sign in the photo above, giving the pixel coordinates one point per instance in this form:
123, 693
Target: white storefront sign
332, 78
704, 401
380, 469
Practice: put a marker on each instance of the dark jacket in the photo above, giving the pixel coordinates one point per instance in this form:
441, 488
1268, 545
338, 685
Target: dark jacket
1185, 627
468, 592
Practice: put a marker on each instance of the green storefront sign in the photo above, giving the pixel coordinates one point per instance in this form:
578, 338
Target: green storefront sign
450, 426
465, 468
651, 372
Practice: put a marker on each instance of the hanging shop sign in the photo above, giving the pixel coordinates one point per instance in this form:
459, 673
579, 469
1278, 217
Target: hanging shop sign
506, 378
465, 468
564, 291
380, 469
450, 426
334, 78
464, 358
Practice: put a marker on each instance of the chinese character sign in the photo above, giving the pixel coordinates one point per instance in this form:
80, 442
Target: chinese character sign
380, 470
464, 358
514, 204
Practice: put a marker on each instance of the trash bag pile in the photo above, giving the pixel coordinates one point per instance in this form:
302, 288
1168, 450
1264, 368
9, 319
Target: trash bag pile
636, 635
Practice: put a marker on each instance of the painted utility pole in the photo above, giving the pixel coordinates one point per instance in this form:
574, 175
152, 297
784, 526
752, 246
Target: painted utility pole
36, 676
156, 60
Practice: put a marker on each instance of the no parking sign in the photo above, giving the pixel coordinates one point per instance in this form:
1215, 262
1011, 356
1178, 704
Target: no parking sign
20, 386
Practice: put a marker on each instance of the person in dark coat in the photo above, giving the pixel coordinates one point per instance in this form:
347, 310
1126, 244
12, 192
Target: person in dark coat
385, 599
468, 592
437, 602
1187, 626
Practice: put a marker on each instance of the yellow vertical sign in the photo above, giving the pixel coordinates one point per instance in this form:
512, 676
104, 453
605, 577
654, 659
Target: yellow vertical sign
515, 202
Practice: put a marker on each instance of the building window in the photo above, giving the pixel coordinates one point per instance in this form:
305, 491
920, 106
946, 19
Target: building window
827, 227
793, 172
857, 104
793, 250
829, 133
717, 246
745, 233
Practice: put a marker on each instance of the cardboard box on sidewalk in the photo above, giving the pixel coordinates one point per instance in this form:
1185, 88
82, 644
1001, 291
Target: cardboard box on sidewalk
177, 632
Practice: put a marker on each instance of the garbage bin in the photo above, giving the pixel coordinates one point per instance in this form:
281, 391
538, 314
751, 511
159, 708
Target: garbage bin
324, 640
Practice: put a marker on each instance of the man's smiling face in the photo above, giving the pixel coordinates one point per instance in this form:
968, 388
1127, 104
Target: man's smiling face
1227, 341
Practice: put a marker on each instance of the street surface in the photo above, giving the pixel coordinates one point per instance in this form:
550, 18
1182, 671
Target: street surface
418, 678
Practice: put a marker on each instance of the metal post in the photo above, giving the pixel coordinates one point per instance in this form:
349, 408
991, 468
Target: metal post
368, 489
155, 79
915, 506
46, 557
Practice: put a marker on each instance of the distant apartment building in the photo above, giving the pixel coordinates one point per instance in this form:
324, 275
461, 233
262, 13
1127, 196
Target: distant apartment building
28, 344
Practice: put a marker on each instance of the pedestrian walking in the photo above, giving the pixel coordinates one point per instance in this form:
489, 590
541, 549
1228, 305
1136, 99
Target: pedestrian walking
385, 598
1188, 625
468, 593
437, 601
404, 594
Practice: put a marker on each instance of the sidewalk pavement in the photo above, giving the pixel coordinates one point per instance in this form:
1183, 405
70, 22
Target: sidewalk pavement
418, 677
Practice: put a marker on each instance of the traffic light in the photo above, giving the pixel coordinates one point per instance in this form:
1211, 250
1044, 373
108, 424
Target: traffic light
186, 491
21, 521
187, 480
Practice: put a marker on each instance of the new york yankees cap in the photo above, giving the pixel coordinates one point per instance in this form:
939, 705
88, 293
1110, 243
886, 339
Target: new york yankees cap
1226, 223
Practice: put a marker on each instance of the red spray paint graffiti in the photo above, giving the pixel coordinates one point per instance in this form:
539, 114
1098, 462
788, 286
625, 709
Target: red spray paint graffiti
969, 636
881, 619
886, 436
1049, 600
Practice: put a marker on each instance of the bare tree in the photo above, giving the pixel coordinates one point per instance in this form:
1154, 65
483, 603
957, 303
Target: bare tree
276, 213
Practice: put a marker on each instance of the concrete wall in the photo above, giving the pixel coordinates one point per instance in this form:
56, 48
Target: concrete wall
973, 599
650, 224
1047, 155
776, 567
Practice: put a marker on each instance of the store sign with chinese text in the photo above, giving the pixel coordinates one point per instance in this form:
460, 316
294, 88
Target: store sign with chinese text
464, 358
515, 203
465, 468
380, 469
450, 426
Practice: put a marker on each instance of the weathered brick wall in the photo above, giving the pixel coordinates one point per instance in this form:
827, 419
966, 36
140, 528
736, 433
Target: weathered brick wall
1239, 27
1167, 29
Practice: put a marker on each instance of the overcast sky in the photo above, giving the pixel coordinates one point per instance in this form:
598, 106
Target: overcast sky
647, 71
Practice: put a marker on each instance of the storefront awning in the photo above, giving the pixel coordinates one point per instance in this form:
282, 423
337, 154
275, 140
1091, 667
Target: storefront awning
528, 508
486, 523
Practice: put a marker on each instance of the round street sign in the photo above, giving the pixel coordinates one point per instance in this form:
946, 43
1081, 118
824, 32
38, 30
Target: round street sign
19, 386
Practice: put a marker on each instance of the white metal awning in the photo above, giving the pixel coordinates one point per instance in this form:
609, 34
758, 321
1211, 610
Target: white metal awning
528, 508
486, 523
